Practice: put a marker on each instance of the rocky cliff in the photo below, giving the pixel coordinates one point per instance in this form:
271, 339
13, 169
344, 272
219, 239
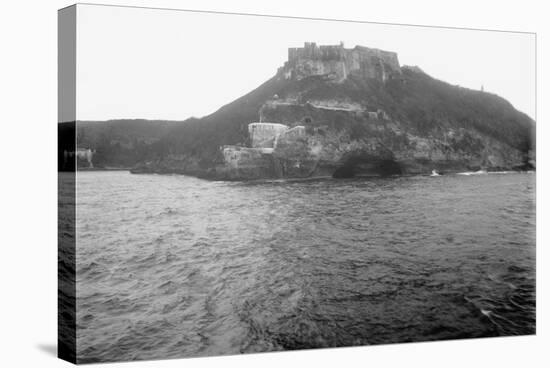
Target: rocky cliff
332, 111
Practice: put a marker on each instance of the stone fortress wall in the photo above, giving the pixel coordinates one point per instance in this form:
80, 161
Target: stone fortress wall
236, 157
264, 138
337, 62
262, 135
296, 132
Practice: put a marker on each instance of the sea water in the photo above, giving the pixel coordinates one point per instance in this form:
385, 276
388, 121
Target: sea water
175, 266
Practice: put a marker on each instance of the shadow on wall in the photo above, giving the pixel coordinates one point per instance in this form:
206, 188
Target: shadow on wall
49, 349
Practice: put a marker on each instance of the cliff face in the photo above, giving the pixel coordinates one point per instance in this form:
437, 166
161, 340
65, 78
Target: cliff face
331, 111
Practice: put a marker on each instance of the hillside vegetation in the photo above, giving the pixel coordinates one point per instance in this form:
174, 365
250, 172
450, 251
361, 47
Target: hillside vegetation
418, 104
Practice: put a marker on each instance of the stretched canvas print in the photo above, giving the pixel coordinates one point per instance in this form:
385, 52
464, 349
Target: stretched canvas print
234, 183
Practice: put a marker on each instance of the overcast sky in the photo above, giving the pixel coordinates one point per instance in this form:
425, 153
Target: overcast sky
159, 64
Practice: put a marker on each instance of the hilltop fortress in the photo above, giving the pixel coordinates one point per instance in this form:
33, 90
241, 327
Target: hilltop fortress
330, 111
337, 62
278, 145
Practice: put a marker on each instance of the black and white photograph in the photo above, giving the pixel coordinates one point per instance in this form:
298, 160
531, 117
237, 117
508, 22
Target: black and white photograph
291, 183
273, 184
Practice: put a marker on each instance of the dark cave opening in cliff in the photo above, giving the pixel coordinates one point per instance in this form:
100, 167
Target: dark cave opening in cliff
367, 166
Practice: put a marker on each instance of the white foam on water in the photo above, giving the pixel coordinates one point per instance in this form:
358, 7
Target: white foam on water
468, 173
485, 312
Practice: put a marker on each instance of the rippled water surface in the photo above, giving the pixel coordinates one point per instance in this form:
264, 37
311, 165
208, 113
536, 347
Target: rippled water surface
174, 266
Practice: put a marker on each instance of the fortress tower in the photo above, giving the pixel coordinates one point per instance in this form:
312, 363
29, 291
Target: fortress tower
262, 135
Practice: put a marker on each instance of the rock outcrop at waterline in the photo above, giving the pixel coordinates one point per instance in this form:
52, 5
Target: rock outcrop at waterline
331, 111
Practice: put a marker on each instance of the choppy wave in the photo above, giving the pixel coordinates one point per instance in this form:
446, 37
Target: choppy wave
173, 266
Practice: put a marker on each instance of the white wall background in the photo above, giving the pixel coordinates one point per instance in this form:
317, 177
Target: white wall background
28, 184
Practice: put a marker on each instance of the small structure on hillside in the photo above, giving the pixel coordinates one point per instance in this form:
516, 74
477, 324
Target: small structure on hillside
84, 154
262, 135
264, 138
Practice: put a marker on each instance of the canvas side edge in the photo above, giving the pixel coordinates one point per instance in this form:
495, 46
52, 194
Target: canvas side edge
66, 149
